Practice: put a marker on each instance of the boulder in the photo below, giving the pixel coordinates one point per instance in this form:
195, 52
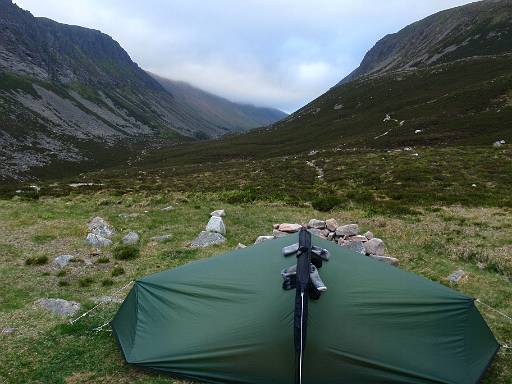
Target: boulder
131, 238
100, 227
278, 234
357, 247
290, 228
97, 241
386, 259
161, 239
206, 239
59, 307
357, 239
347, 230
62, 261
216, 224
316, 232
374, 246
262, 239
369, 235
331, 225
457, 276
317, 224
218, 213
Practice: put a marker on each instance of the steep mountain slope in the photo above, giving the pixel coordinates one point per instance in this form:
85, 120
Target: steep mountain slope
219, 112
71, 98
478, 29
461, 99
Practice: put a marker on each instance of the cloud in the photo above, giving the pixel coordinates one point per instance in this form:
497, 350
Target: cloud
280, 53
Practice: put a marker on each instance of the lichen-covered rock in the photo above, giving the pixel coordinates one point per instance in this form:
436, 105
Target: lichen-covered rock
206, 239
100, 227
289, 228
97, 241
131, 238
216, 224
375, 246
62, 261
218, 213
369, 235
59, 307
317, 224
347, 230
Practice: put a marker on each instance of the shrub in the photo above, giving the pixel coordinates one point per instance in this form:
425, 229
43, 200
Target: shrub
37, 260
63, 283
326, 203
107, 282
85, 282
61, 273
117, 271
126, 252
103, 260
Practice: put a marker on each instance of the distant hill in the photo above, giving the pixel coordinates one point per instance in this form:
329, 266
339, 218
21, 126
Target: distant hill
71, 98
445, 80
218, 111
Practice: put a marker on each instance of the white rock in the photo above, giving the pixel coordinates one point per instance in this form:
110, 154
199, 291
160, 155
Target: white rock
290, 228
59, 307
216, 224
374, 246
8, 331
62, 261
100, 227
418, 131
241, 246
386, 259
218, 213
317, 224
131, 238
347, 230
457, 276
167, 209
97, 241
262, 239
369, 235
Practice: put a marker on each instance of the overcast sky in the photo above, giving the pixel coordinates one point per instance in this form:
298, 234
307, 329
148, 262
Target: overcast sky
278, 53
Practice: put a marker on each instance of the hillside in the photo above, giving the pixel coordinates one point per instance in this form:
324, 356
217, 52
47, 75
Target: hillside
71, 99
219, 112
461, 99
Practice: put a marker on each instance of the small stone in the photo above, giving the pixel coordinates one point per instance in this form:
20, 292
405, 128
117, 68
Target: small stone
59, 307
131, 238
100, 227
386, 259
206, 239
241, 246
278, 234
167, 209
62, 261
8, 331
216, 224
218, 213
369, 235
347, 230
374, 246
317, 224
262, 239
290, 228
97, 241
331, 235
331, 225
497, 144
457, 276
357, 247
161, 239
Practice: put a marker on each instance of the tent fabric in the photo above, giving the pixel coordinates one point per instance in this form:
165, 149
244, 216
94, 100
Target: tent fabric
226, 319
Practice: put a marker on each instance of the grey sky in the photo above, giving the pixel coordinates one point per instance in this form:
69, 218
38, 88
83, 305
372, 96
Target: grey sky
279, 53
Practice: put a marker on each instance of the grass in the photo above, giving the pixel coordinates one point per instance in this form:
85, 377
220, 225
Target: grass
37, 260
126, 252
430, 240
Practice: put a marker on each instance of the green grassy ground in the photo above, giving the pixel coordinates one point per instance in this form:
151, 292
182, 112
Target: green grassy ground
432, 240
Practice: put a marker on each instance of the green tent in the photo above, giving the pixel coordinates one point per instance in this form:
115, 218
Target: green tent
227, 319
